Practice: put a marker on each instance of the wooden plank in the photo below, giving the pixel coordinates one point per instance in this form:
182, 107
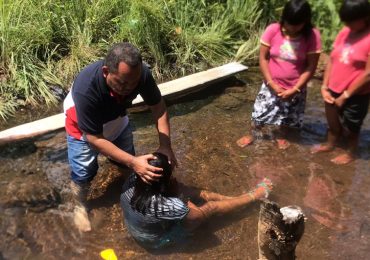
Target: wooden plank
175, 87
194, 81
32, 129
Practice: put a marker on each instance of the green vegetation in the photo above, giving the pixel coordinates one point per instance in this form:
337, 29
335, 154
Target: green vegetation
44, 43
326, 18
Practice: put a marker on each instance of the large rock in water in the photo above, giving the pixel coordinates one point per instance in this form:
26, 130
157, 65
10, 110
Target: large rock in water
228, 102
32, 192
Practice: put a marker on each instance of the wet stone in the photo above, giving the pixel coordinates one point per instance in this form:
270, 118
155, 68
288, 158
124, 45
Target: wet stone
35, 193
13, 228
52, 140
365, 229
58, 174
18, 149
228, 102
235, 90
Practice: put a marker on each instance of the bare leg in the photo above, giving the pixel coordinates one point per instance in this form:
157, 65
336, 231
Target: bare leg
334, 132
195, 193
198, 214
211, 196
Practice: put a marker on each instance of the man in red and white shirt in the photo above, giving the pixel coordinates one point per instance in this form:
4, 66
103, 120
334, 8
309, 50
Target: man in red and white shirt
96, 120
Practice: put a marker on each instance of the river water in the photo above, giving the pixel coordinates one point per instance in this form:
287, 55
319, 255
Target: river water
36, 208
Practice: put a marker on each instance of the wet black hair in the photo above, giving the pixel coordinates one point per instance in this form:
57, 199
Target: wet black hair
143, 193
352, 10
122, 52
297, 12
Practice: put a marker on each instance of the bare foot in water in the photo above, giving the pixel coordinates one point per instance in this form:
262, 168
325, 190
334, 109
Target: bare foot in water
344, 158
262, 190
245, 141
282, 144
322, 148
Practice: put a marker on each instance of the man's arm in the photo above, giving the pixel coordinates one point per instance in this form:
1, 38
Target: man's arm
139, 163
161, 119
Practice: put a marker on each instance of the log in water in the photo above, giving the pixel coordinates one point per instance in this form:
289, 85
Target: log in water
279, 231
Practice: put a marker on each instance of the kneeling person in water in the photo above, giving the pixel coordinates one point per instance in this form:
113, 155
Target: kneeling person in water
156, 215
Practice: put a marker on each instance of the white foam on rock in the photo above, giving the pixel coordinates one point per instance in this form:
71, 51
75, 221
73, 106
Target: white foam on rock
291, 214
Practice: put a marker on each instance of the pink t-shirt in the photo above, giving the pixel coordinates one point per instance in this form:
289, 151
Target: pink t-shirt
349, 58
288, 56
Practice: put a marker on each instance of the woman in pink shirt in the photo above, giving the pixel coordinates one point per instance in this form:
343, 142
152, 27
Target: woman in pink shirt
346, 85
289, 54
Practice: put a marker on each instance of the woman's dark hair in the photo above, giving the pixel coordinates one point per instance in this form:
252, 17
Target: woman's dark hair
297, 12
352, 10
143, 193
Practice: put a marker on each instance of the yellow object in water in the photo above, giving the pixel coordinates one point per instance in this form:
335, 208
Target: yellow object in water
108, 254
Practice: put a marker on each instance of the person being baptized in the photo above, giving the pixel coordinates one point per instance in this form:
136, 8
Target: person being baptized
157, 214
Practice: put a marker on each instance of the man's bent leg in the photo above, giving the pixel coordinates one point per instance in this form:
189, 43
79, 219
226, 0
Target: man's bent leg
84, 166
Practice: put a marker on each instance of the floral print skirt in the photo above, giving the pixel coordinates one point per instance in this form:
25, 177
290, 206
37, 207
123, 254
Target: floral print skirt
269, 109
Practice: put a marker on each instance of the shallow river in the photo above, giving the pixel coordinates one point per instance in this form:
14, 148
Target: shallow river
36, 208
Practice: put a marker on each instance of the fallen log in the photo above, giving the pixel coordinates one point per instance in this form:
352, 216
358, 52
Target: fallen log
279, 231
178, 87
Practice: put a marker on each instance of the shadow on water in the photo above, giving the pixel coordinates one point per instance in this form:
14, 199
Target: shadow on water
36, 208
18, 149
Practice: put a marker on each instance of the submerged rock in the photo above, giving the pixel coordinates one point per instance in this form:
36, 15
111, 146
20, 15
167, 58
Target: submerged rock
34, 193
228, 102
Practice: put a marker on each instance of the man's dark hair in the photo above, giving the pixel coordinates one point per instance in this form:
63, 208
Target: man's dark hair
352, 10
122, 52
297, 12
143, 193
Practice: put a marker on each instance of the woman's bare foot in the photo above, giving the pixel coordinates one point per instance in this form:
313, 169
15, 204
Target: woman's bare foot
344, 158
322, 148
282, 144
263, 189
245, 141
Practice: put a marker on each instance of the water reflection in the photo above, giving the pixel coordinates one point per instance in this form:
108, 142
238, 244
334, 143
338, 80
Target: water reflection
334, 198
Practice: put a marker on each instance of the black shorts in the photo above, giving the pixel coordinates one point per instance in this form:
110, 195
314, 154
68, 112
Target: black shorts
354, 111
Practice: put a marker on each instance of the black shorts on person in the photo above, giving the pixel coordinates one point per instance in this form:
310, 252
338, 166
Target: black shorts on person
354, 111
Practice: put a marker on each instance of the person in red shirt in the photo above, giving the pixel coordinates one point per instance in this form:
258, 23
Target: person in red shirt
96, 121
346, 85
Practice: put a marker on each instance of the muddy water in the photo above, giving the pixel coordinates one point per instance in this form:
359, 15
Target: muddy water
36, 208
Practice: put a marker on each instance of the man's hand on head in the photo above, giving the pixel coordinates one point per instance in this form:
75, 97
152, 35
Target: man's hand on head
145, 171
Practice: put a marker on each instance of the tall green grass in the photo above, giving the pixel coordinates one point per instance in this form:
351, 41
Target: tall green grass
24, 48
326, 18
44, 43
